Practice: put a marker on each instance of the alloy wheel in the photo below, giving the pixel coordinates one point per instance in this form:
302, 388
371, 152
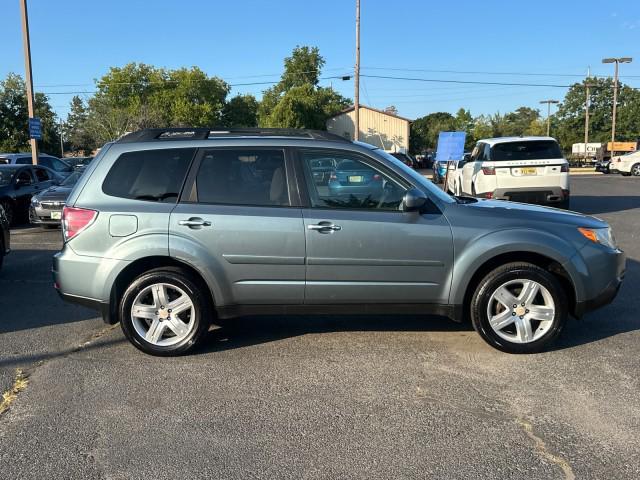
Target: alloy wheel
636, 170
163, 314
521, 311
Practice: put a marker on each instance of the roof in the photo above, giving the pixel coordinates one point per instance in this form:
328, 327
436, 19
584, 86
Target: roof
189, 133
352, 108
497, 140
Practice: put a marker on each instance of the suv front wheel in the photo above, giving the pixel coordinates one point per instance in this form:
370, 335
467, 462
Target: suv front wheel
519, 308
164, 312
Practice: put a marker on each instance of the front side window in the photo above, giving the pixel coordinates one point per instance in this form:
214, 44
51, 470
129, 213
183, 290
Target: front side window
24, 177
151, 175
526, 150
353, 183
243, 177
42, 175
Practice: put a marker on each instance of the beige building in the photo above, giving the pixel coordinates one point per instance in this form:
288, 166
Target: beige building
382, 129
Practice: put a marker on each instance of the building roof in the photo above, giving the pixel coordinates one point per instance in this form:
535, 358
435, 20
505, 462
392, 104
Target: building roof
351, 108
495, 141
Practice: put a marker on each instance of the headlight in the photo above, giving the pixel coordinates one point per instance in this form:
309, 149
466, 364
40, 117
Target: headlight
603, 236
34, 202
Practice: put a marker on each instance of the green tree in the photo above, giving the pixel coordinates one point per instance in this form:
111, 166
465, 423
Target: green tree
241, 111
425, 130
519, 122
297, 101
75, 133
568, 125
14, 118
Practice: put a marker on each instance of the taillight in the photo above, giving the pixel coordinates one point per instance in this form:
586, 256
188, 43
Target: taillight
333, 177
564, 167
488, 195
377, 177
75, 220
489, 170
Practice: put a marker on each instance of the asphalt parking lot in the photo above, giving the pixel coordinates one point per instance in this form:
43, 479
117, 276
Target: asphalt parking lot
327, 397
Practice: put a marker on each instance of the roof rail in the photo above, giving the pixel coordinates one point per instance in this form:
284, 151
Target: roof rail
186, 133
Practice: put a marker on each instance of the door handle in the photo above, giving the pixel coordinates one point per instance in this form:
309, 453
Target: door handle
325, 227
194, 222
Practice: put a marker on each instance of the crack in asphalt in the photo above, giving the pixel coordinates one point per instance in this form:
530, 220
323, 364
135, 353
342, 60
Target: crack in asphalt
541, 450
10, 396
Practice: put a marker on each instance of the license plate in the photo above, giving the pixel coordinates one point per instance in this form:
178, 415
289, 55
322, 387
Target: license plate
528, 171
56, 215
355, 179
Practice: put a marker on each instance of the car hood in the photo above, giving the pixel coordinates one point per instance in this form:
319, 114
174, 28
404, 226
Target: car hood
55, 193
527, 212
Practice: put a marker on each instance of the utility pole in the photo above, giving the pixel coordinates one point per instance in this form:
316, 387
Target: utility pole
586, 118
617, 61
356, 96
549, 102
27, 65
61, 139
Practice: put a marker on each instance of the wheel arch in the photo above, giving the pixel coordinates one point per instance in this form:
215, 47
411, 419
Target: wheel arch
489, 253
142, 265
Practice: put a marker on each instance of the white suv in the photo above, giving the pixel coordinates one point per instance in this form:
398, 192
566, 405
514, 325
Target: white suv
627, 164
520, 169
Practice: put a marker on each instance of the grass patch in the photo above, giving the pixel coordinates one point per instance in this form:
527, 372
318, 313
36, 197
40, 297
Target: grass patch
10, 396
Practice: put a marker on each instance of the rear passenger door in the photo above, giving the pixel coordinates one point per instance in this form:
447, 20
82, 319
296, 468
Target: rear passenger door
238, 221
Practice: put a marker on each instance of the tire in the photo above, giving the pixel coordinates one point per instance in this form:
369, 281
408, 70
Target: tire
171, 334
625, 174
635, 170
49, 227
8, 211
512, 336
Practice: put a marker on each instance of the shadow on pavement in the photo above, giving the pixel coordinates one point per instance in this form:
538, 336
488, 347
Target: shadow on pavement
27, 297
592, 205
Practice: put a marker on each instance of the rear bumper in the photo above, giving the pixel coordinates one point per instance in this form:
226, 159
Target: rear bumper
537, 195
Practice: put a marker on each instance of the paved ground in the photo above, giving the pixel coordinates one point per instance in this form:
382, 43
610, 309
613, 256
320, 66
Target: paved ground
391, 397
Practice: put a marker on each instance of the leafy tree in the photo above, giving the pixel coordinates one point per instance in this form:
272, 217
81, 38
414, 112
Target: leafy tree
569, 120
14, 118
241, 111
75, 133
425, 130
519, 122
297, 101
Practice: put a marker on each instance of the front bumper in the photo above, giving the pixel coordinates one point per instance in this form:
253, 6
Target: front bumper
41, 216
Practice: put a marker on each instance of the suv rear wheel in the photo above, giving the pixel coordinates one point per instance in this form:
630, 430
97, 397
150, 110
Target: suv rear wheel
164, 312
635, 170
519, 308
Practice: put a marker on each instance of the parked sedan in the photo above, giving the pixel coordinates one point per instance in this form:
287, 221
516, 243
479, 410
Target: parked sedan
18, 183
46, 207
603, 166
5, 239
355, 182
62, 168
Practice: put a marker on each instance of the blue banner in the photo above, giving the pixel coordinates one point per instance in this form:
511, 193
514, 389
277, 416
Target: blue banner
35, 128
450, 146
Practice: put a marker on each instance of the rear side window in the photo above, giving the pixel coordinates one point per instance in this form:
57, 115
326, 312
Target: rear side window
24, 160
532, 150
152, 175
42, 175
243, 177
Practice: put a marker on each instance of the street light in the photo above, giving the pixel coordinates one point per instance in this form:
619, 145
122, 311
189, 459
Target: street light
617, 61
549, 102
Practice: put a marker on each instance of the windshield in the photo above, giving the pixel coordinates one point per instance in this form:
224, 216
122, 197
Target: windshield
6, 174
527, 150
417, 177
71, 180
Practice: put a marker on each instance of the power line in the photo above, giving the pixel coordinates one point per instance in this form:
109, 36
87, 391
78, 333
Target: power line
465, 72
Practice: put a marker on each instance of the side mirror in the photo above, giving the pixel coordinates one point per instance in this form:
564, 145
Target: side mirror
414, 200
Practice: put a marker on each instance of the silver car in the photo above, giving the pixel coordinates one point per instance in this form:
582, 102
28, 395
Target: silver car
169, 230
46, 207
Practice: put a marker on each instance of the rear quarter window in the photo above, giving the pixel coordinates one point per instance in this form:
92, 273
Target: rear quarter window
149, 175
530, 150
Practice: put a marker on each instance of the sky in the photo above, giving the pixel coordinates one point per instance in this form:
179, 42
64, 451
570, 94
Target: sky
74, 42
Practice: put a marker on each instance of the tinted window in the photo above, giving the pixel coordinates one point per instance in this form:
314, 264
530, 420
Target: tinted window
532, 150
6, 174
24, 160
354, 184
24, 176
42, 175
243, 177
153, 175
71, 180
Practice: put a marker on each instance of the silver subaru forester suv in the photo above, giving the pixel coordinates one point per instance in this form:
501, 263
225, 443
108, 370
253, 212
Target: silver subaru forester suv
169, 230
